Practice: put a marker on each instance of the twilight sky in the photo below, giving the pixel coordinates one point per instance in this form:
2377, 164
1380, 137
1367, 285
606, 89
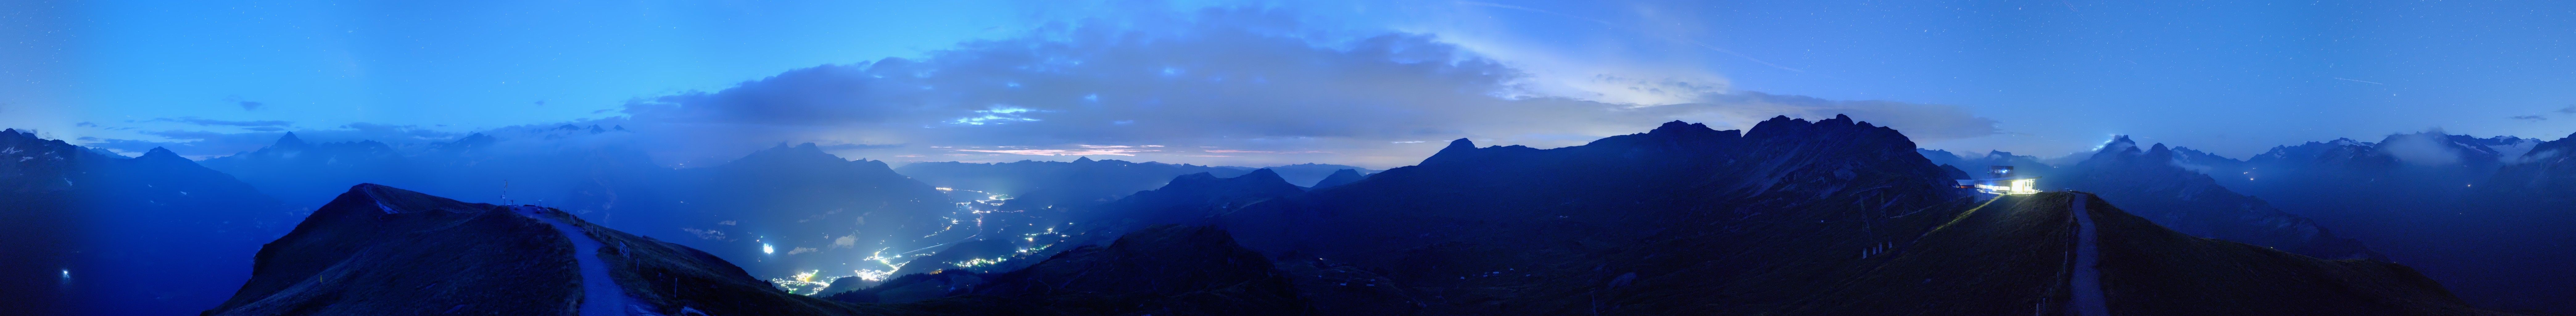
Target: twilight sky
1372, 83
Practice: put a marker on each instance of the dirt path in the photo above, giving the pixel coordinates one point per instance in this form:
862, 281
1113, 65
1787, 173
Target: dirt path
2087, 284
600, 294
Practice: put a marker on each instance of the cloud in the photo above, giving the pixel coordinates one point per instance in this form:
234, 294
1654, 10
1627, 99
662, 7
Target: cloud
1062, 152
1247, 80
2570, 109
246, 105
199, 143
856, 146
210, 122
2425, 148
1258, 83
1231, 151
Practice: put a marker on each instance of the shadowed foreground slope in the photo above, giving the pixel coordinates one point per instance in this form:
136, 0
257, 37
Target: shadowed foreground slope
378, 250
2013, 255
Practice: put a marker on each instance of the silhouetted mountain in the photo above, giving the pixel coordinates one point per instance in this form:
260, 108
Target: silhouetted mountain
2543, 174
1312, 174
1189, 199
2020, 253
93, 233
294, 170
1975, 166
1830, 217
1793, 217
2469, 211
2158, 184
780, 211
377, 250
1160, 270
1339, 178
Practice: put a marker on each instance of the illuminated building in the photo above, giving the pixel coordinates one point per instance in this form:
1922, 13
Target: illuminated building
2001, 180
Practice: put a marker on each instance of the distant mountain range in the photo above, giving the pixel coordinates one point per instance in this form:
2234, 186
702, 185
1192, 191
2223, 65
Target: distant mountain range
783, 211
2480, 214
1084, 181
98, 234
2164, 185
1791, 216
1830, 217
2485, 215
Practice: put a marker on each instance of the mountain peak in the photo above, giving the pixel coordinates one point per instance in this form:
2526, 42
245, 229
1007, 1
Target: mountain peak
160, 153
1339, 178
1457, 148
1082, 160
1461, 143
1678, 126
289, 141
805, 153
1260, 174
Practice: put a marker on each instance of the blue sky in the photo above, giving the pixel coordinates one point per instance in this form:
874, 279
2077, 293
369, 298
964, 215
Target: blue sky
2036, 77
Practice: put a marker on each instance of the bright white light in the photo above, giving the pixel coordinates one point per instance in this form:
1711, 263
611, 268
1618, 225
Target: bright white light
764, 248
67, 273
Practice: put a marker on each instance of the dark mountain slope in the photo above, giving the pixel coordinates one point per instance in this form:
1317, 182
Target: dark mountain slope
2013, 255
94, 233
2154, 182
780, 211
1188, 199
2473, 212
1975, 164
1339, 178
1312, 174
1483, 228
377, 250
1830, 217
296, 170
1160, 270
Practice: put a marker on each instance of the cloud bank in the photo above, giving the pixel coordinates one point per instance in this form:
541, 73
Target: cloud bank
1235, 86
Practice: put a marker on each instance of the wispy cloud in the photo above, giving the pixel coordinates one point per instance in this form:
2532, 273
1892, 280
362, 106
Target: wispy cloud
1062, 152
1231, 151
212, 122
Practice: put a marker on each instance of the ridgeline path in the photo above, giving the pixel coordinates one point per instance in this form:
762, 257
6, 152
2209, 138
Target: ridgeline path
2088, 300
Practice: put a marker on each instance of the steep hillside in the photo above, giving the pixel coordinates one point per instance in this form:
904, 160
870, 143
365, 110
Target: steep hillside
1479, 229
2017, 254
2160, 186
94, 233
1339, 178
1313, 174
1189, 199
378, 250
